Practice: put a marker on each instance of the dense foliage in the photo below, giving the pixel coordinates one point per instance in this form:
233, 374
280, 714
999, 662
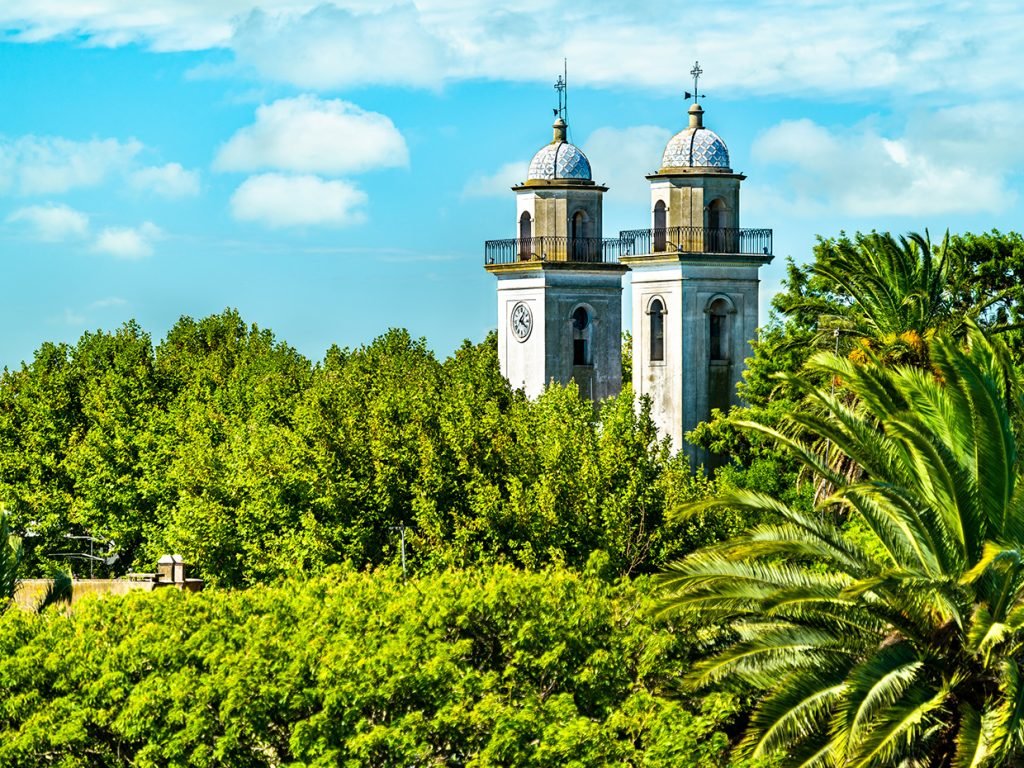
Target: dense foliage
11, 555
895, 639
887, 295
479, 667
857, 571
229, 447
878, 623
872, 294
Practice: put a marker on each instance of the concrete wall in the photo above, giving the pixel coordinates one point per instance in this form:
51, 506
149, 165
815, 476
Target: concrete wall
551, 210
31, 591
679, 385
553, 295
687, 198
523, 362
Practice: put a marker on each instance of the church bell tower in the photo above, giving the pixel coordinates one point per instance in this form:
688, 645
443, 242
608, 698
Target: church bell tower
694, 282
559, 280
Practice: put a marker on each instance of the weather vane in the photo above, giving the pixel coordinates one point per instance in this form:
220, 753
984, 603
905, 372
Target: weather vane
561, 85
696, 72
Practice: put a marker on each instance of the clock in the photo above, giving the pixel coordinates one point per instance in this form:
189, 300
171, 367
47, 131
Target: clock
522, 321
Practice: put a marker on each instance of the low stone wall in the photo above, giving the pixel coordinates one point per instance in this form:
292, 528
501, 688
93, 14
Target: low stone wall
31, 591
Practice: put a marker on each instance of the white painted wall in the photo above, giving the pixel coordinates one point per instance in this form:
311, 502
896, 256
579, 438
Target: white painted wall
553, 292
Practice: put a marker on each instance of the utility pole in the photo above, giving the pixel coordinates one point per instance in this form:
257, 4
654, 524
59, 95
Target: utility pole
401, 529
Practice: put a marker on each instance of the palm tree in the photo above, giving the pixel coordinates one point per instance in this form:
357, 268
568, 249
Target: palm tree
897, 638
11, 552
888, 294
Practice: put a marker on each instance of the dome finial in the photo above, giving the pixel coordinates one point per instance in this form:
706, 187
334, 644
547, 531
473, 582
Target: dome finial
562, 86
560, 130
696, 113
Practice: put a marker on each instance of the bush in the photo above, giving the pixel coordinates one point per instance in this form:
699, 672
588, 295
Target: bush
484, 667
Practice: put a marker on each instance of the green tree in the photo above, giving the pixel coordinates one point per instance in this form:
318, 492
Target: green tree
895, 640
225, 445
363, 428
221, 461
10, 562
11, 565
996, 261
483, 667
891, 294
627, 357
40, 420
119, 396
887, 293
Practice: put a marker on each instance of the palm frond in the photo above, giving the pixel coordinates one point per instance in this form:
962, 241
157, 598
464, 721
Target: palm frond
58, 591
11, 555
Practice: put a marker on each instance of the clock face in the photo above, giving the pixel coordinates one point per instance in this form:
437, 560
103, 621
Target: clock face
522, 321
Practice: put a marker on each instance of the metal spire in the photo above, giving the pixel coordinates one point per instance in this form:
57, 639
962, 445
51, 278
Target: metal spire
562, 86
696, 72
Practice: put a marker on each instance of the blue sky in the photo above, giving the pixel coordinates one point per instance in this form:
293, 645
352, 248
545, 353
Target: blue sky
331, 169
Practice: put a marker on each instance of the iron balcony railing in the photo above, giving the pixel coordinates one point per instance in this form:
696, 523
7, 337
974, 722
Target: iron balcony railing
636, 242
591, 250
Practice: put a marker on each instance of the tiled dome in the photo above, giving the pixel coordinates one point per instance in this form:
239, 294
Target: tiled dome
559, 160
695, 147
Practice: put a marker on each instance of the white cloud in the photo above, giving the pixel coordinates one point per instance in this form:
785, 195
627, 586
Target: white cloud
170, 180
77, 316
497, 184
331, 47
33, 165
108, 303
310, 135
766, 47
278, 200
944, 162
620, 157
52, 222
128, 242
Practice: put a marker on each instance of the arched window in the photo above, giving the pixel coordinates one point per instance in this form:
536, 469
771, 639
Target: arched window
525, 236
579, 225
720, 238
581, 337
718, 330
578, 237
657, 313
721, 387
659, 227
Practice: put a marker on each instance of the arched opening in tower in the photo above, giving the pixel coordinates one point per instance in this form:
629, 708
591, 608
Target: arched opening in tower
657, 331
581, 337
525, 235
719, 359
659, 226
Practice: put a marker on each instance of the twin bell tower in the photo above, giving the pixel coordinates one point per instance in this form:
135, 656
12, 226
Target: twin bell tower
694, 286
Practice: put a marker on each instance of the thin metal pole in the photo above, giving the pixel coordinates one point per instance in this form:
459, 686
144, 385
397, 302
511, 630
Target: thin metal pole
402, 528
401, 531
565, 76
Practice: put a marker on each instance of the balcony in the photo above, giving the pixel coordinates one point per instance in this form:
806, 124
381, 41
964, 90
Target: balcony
583, 250
746, 242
